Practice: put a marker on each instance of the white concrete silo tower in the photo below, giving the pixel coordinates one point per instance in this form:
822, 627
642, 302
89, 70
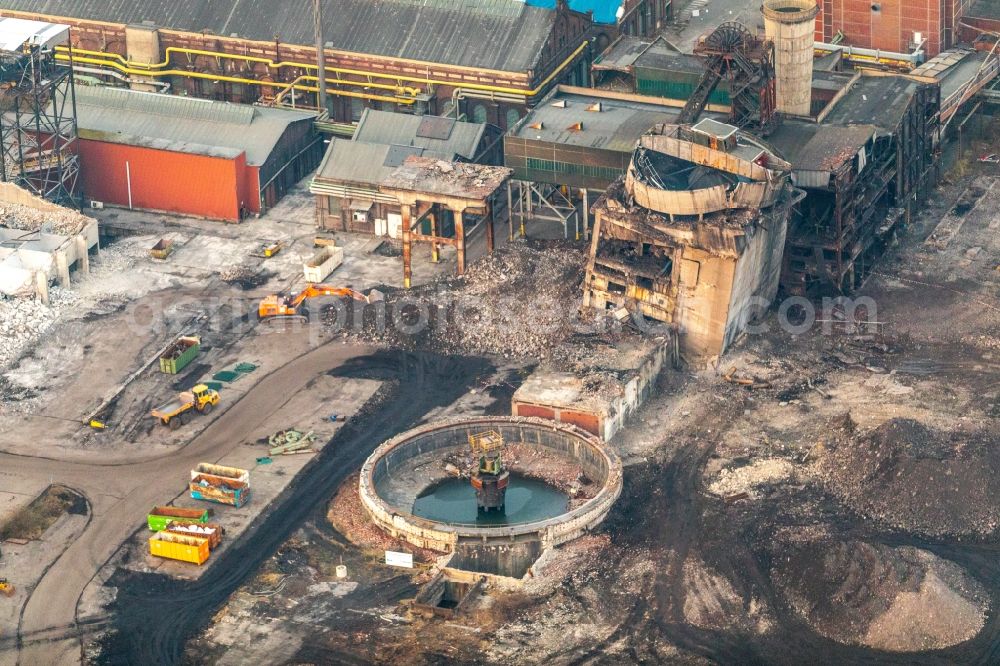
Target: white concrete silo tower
790, 25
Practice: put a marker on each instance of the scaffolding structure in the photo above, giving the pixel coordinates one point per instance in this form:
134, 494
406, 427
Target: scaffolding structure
38, 126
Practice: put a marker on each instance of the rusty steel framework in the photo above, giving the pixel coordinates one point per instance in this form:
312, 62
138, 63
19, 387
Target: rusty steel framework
746, 61
38, 128
839, 233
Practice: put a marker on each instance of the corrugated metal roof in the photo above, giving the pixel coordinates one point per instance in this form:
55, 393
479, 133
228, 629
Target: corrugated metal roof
811, 147
401, 129
617, 126
183, 124
362, 163
879, 100
622, 54
504, 35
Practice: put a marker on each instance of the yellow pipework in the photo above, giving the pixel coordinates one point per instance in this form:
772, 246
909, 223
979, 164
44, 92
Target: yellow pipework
228, 56
235, 79
336, 70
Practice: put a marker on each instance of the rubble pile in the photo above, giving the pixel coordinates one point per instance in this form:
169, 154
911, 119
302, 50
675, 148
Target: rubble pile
901, 599
65, 222
520, 302
236, 272
911, 477
748, 478
23, 320
347, 515
245, 276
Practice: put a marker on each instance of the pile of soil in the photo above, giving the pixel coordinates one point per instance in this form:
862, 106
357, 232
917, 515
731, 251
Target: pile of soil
908, 476
901, 599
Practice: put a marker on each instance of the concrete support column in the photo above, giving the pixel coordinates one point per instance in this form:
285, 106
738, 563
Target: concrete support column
142, 43
490, 242
460, 241
435, 253
407, 247
81, 251
42, 286
62, 268
510, 212
586, 213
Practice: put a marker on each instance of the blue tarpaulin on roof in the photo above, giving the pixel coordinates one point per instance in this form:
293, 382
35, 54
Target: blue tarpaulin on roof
604, 10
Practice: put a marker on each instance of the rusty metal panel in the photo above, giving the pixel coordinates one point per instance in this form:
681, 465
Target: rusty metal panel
584, 420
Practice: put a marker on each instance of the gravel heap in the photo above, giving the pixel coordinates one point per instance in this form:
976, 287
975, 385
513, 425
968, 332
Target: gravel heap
901, 599
521, 302
910, 477
65, 221
748, 478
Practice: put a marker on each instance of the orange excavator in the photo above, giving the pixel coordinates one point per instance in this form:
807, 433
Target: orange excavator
279, 306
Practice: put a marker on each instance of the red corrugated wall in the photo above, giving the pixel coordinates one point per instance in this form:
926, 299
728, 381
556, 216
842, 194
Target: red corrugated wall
183, 183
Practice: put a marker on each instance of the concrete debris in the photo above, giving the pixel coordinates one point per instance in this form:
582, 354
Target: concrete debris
749, 478
519, 302
24, 320
65, 222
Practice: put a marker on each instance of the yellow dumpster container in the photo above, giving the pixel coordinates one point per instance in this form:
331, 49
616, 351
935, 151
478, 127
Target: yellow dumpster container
180, 547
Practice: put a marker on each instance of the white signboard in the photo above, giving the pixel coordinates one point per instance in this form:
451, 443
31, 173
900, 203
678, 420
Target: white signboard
399, 559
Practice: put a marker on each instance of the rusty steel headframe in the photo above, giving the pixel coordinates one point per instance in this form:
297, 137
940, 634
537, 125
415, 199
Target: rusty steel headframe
746, 61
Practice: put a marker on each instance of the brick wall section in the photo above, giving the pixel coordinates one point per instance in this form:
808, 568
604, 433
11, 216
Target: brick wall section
889, 24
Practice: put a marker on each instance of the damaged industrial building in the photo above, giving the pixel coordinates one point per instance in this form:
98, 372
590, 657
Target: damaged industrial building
693, 234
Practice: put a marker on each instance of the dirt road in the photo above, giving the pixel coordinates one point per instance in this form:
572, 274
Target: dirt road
154, 615
116, 492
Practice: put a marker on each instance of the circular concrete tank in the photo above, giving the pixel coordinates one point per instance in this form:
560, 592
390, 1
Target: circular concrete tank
599, 463
790, 25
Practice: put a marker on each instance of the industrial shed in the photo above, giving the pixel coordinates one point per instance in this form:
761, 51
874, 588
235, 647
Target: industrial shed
190, 156
347, 182
491, 58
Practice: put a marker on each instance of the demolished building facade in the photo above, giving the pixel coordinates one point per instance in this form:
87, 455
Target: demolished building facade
692, 235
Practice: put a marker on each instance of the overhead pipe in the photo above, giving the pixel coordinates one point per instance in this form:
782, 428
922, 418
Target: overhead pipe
236, 79
164, 85
122, 62
874, 55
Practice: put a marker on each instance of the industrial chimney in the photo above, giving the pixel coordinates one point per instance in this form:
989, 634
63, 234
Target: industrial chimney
790, 24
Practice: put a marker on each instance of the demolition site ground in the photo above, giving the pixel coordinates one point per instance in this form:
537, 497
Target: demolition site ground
820, 495
827, 492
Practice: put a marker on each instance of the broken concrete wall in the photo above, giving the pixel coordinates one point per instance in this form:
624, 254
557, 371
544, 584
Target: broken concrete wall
32, 259
758, 274
563, 396
705, 286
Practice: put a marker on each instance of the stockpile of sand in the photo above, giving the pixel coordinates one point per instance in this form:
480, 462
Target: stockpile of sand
906, 475
901, 599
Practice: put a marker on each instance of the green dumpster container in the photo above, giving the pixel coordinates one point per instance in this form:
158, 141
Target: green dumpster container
179, 354
160, 516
